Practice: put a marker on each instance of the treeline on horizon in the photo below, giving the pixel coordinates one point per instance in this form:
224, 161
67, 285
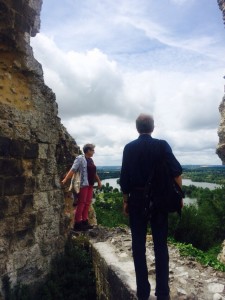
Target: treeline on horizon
211, 174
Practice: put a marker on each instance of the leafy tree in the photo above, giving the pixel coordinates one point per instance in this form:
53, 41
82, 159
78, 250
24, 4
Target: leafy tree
108, 207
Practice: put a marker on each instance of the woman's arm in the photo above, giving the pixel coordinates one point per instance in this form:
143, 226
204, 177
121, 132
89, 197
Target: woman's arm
98, 181
68, 175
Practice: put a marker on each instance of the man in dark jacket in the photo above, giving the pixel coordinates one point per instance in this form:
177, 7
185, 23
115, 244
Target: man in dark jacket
139, 159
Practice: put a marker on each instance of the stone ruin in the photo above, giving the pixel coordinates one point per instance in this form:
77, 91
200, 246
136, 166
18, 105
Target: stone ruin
221, 131
35, 150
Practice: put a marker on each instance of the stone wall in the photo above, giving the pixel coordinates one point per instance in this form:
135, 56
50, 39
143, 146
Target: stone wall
35, 149
221, 131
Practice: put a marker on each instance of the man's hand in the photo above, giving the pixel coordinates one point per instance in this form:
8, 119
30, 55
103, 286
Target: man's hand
182, 203
125, 205
125, 209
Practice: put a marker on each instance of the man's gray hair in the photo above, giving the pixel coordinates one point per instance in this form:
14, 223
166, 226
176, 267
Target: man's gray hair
145, 123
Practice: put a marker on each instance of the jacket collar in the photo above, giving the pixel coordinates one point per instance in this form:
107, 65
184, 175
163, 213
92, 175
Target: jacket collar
145, 135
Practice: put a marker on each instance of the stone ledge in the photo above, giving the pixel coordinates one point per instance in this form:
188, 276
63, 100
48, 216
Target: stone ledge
112, 272
115, 275
113, 265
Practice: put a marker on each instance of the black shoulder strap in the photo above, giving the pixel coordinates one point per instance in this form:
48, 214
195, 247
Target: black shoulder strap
158, 146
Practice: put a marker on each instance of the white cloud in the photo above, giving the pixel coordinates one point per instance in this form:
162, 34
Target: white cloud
114, 65
181, 2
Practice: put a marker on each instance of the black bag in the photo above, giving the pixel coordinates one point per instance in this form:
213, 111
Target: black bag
162, 193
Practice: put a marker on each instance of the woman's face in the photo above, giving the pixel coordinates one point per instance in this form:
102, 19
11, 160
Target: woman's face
90, 152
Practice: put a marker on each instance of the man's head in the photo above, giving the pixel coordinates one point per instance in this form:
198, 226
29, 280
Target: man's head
144, 123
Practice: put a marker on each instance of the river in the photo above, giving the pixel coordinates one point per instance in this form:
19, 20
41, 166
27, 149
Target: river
113, 182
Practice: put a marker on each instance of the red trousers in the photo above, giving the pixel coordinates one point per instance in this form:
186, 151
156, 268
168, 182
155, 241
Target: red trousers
84, 200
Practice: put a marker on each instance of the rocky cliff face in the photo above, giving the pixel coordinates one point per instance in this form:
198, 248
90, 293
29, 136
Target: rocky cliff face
221, 131
34, 151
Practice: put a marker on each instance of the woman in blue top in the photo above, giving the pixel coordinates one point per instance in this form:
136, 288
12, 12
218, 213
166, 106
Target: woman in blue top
85, 165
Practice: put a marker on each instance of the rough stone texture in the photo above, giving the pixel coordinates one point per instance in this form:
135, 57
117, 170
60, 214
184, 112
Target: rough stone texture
221, 256
115, 275
35, 149
221, 131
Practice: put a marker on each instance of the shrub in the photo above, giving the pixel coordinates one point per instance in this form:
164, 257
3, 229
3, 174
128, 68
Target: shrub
71, 277
108, 207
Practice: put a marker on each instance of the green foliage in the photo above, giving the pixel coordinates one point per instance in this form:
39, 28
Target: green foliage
206, 259
202, 225
195, 228
214, 174
108, 207
71, 277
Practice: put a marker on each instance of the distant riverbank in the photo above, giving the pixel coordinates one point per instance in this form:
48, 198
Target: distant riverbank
212, 186
113, 182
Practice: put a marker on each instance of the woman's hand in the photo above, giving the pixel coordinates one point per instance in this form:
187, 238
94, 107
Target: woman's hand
99, 185
68, 175
98, 181
64, 181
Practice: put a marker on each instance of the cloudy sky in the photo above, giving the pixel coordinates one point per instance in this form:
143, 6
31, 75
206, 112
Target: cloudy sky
108, 61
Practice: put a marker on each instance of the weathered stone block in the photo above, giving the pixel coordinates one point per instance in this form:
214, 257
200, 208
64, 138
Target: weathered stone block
11, 167
3, 204
5, 128
25, 223
11, 206
7, 227
3, 207
14, 186
41, 200
16, 148
3, 269
44, 182
1, 186
30, 150
43, 151
56, 198
43, 217
51, 166
28, 167
22, 240
4, 245
5, 146
29, 185
39, 166
4, 15
26, 203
